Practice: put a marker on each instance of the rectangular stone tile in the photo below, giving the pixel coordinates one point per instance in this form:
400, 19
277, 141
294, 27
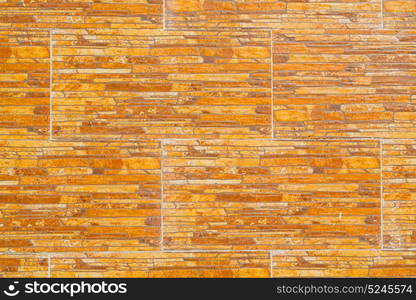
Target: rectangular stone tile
63, 196
352, 83
399, 14
24, 84
82, 14
264, 194
159, 264
23, 265
399, 193
161, 84
245, 14
344, 263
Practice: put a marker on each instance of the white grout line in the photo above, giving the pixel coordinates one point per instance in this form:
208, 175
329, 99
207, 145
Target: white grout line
399, 249
50, 85
271, 82
162, 155
271, 264
381, 197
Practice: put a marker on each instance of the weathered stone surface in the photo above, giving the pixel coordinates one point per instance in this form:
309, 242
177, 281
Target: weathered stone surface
158, 264
346, 263
161, 84
263, 194
64, 196
399, 14
344, 83
24, 84
399, 185
23, 265
81, 14
153, 154
277, 14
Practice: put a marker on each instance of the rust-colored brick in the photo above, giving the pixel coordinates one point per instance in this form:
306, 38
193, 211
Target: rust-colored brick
271, 194
207, 138
246, 14
352, 83
24, 84
399, 209
161, 84
62, 196
159, 264
347, 263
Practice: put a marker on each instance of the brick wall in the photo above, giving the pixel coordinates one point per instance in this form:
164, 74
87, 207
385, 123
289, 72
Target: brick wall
207, 138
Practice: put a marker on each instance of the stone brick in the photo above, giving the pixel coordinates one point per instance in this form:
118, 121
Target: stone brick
75, 196
346, 263
23, 265
261, 194
81, 14
399, 14
225, 93
159, 264
24, 84
399, 192
276, 14
345, 83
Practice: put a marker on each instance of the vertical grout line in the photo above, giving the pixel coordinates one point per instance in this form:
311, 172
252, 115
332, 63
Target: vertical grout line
49, 265
271, 82
50, 85
161, 196
271, 263
381, 198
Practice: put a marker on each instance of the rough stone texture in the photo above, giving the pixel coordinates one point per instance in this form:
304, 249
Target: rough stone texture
20, 265
399, 14
349, 83
399, 185
271, 194
24, 84
347, 263
53, 14
158, 84
205, 138
62, 196
246, 14
158, 264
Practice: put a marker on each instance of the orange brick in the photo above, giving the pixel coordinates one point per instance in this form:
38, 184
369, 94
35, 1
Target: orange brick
264, 194
74, 196
23, 265
348, 90
346, 263
114, 94
159, 264
24, 84
399, 192
272, 14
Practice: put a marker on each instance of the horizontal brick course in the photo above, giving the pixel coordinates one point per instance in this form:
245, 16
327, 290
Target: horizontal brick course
158, 264
271, 194
62, 196
353, 83
348, 263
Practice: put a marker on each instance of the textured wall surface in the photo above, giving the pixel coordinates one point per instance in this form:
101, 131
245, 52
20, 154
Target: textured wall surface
208, 138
